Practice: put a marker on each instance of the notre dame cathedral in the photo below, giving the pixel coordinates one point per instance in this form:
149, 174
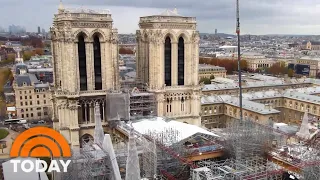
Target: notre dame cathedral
85, 53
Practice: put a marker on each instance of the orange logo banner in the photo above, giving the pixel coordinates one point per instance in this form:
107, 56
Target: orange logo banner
40, 142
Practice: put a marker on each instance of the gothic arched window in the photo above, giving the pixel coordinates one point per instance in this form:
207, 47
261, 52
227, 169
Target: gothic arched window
167, 61
182, 104
97, 63
181, 61
82, 63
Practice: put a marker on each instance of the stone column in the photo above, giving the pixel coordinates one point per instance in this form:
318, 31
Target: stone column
89, 60
92, 113
106, 64
85, 113
75, 141
151, 65
187, 64
146, 63
70, 67
174, 63
103, 64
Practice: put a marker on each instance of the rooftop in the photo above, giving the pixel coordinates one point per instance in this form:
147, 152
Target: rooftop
26, 79
210, 67
157, 125
310, 58
248, 105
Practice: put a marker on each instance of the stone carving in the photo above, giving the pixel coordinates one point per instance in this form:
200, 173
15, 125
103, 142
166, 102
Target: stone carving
91, 25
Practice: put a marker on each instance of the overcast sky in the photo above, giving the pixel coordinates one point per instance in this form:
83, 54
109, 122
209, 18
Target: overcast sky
256, 16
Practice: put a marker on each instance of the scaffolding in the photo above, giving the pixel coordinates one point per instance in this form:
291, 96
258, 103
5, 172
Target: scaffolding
254, 167
90, 162
146, 150
248, 138
131, 103
117, 107
95, 160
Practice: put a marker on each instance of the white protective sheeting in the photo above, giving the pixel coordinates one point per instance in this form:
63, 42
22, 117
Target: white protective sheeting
33, 175
158, 125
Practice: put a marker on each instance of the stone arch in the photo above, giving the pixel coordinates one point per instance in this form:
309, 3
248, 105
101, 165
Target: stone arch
79, 32
170, 34
99, 33
86, 138
185, 35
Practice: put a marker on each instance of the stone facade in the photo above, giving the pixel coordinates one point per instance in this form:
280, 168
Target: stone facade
33, 103
181, 98
76, 36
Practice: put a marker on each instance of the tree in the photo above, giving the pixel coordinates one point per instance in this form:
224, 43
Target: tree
11, 57
212, 77
205, 81
125, 51
38, 51
27, 55
290, 72
230, 65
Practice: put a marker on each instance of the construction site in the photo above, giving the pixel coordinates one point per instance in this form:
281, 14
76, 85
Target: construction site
161, 148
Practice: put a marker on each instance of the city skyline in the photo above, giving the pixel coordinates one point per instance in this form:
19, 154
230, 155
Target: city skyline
263, 17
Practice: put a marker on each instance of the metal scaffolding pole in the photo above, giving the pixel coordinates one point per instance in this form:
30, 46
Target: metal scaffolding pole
239, 58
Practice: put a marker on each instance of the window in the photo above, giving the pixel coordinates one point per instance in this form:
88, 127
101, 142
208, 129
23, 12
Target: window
182, 104
30, 97
39, 113
31, 114
26, 97
38, 102
30, 102
22, 115
30, 91
82, 63
31, 109
44, 96
37, 96
27, 110
44, 101
45, 113
25, 92
20, 97
26, 103
27, 115
21, 103
39, 108
167, 61
97, 63
181, 61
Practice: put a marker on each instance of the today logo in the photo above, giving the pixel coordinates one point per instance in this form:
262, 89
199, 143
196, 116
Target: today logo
40, 142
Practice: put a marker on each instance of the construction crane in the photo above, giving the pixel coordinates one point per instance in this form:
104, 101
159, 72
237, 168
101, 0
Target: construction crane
239, 58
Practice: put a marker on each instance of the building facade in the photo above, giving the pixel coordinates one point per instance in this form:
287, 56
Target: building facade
32, 98
85, 53
167, 60
206, 71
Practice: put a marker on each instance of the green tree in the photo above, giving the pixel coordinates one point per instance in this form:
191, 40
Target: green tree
11, 57
205, 81
27, 55
212, 77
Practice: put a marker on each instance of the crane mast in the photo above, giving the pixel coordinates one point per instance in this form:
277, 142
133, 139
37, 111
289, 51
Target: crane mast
239, 58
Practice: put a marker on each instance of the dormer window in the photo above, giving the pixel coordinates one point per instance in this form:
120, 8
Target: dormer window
37, 90
24, 84
43, 89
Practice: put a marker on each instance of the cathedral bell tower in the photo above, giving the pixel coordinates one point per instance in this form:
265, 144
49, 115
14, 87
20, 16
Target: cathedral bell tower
167, 60
85, 54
